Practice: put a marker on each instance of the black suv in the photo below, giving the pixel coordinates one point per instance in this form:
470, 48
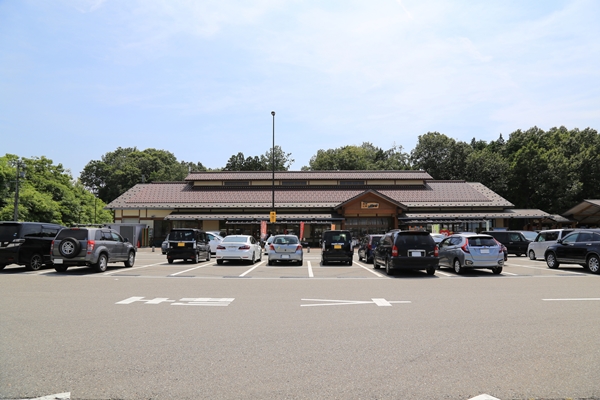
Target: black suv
580, 247
94, 247
515, 241
407, 250
188, 244
367, 247
336, 246
26, 243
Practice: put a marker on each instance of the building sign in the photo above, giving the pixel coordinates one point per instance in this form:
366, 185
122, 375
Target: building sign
369, 204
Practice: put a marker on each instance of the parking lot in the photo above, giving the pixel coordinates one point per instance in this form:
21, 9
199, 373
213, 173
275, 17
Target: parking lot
153, 264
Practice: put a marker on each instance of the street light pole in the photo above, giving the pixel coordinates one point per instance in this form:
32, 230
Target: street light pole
273, 161
16, 211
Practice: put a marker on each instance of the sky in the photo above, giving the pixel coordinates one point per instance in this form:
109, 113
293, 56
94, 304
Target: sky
199, 78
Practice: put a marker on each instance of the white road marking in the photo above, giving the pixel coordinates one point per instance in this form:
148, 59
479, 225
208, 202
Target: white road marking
509, 273
310, 271
58, 396
443, 273
547, 269
130, 269
251, 269
583, 299
484, 397
378, 274
378, 302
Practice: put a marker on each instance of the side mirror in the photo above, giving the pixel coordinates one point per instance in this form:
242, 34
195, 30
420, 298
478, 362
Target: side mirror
126, 240
559, 241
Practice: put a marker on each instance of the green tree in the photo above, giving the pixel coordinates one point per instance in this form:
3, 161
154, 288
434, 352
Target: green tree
239, 162
441, 156
120, 170
363, 157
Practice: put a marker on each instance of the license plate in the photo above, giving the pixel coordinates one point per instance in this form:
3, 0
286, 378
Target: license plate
285, 256
337, 246
58, 261
415, 254
485, 251
181, 244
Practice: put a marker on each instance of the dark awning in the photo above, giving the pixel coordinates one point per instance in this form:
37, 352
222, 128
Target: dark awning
313, 218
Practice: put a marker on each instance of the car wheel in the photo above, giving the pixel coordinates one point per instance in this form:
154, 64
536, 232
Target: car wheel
551, 261
458, 268
496, 270
170, 260
208, 255
593, 264
375, 265
69, 247
220, 262
60, 268
323, 262
531, 255
2, 266
301, 262
430, 271
196, 258
102, 263
270, 262
253, 260
349, 262
518, 254
388, 267
130, 260
35, 262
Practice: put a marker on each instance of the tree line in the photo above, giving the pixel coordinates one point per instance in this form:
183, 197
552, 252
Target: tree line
551, 170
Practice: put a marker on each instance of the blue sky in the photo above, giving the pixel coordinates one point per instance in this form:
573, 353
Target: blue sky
200, 78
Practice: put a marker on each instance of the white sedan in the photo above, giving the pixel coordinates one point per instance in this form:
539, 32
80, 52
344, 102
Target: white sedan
239, 248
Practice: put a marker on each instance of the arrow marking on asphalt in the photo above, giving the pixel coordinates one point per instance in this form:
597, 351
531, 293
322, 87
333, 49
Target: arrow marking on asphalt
378, 302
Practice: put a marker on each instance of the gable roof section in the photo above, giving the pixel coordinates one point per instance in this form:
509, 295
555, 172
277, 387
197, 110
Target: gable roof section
305, 175
374, 192
183, 195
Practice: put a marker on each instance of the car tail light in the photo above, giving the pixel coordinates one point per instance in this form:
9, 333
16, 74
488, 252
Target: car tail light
244, 247
394, 251
436, 251
219, 247
271, 247
465, 247
369, 247
90, 246
52, 247
299, 247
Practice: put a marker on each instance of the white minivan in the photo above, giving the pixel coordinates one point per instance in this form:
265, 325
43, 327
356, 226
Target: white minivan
544, 239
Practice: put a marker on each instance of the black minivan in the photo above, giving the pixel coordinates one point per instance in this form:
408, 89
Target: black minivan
26, 243
409, 250
515, 241
188, 244
336, 246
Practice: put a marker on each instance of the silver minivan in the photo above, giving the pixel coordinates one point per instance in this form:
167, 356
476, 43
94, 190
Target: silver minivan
543, 240
463, 251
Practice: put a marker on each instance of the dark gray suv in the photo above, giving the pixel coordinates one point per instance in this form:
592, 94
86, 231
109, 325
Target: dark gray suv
93, 247
407, 250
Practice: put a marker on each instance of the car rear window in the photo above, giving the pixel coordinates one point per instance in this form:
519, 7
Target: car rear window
8, 232
78, 234
482, 241
181, 235
235, 239
375, 240
286, 240
414, 240
337, 237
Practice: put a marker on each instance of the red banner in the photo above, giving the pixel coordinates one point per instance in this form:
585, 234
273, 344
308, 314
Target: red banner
263, 230
302, 230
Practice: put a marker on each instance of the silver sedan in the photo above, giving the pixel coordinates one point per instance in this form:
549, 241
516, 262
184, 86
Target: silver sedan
285, 248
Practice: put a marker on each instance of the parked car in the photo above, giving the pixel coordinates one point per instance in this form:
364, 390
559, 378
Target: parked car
504, 250
267, 244
165, 245
214, 240
26, 243
285, 248
579, 247
411, 250
529, 235
93, 247
438, 237
543, 240
336, 245
239, 248
188, 244
515, 241
471, 251
367, 246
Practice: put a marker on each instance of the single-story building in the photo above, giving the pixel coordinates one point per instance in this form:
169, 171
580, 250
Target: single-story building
310, 202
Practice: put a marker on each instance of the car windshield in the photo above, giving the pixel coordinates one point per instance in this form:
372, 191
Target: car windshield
235, 239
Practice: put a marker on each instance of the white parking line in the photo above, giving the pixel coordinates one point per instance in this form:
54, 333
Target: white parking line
130, 269
371, 270
191, 269
310, 271
589, 299
546, 269
252, 269
443, 273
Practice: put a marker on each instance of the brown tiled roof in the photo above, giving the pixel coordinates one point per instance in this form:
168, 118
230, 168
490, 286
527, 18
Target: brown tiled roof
183, 195
305, 175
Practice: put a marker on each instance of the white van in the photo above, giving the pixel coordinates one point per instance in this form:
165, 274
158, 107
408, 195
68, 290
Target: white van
544, 239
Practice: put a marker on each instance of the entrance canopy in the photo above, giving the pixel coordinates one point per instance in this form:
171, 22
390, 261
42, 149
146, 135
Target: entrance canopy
450, 218
585, 213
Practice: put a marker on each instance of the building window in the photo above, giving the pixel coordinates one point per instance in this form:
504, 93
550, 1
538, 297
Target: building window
236, 183
352, 183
